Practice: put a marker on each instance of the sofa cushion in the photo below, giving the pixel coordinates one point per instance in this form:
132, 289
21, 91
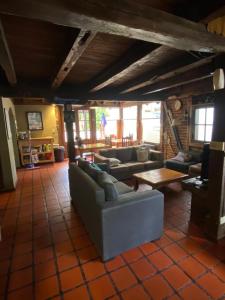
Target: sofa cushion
93, 170
134, 153
106, 183
196, 155
178, 166
150, 165
122, 188
114, 180
108, 152
113, 162
142, 154
135, 166
124, 154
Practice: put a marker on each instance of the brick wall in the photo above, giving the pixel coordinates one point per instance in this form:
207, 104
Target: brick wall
169, 145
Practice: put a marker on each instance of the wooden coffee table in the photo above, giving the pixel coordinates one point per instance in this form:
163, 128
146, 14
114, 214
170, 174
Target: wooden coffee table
159, 177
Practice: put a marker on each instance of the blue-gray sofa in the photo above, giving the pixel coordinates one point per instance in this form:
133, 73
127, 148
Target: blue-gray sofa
129, 220
183, 166
129, 163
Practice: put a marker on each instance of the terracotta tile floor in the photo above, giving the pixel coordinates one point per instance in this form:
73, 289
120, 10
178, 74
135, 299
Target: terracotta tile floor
46, 252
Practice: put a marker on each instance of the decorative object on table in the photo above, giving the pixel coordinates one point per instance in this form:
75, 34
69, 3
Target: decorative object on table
22, 135
34, 120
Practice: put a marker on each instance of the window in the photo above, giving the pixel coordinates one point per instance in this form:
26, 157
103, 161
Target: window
130, 121
203, 124
106, 121
151, 122
84, 124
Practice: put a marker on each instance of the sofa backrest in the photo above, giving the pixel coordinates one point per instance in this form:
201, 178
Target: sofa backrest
124, 154
196, 155
83, 186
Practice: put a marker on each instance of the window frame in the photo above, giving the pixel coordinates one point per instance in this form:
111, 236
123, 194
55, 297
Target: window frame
193, 124
160, 120
130, 119
85, 120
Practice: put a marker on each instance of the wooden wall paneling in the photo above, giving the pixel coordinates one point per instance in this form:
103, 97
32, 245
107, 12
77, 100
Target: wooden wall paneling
219, 112
216, 195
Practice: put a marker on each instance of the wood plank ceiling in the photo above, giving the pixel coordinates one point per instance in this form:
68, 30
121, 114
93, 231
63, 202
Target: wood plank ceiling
111, 50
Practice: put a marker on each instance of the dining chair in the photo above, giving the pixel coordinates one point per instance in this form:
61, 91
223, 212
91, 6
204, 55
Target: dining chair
126, 141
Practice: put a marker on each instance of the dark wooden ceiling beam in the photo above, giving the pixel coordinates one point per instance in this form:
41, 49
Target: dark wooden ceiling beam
182, 64
136, 57
79, 46
6, 59
125, 18
179, 79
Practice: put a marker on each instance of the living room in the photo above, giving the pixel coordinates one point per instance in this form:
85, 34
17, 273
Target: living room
112, 153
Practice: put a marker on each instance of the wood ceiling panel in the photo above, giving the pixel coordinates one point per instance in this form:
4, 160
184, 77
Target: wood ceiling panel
104, 50
162, 57
37, 48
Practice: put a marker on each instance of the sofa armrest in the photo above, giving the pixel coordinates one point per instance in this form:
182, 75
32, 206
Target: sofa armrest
156, 155
135, 218
101, 159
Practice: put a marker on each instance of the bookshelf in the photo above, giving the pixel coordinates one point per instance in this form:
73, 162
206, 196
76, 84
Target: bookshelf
36, 150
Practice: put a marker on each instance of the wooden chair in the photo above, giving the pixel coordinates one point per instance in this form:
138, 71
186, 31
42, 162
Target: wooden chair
127, 141
108, 141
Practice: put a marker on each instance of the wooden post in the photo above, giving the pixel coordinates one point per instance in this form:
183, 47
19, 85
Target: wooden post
139, 123
216, 192
69, 118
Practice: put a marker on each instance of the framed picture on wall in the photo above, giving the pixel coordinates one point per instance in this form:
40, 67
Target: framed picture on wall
34, 120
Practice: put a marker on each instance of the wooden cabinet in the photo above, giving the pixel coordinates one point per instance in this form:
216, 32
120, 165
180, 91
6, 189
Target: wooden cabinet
36, 150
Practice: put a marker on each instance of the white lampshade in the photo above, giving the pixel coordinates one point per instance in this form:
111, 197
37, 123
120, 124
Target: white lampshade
218, 79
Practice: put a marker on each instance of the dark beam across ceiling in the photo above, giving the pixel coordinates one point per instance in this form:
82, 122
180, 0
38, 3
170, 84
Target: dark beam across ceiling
135, 57
6, 59
178, 79
180, 65
79, 46
124, 18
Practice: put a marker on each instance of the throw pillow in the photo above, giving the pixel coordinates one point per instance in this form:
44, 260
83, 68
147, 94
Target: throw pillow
142, 154
95, 166
106, 183
93, 171
179, 157
113, 162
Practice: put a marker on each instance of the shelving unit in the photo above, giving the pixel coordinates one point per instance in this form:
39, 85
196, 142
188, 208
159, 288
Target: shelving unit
36, 150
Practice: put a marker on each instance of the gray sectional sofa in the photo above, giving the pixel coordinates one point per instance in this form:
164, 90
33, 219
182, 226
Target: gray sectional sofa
128, 220
128, 161
183, 166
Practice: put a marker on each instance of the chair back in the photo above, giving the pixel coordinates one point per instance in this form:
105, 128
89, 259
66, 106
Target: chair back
127, 141
108, 141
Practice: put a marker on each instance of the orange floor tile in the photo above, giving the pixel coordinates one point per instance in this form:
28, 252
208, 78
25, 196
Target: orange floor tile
46, 252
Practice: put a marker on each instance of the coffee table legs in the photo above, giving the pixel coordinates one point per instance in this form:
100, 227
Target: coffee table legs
136, 184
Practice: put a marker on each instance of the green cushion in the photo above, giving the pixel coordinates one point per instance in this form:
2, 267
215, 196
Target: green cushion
95, 166
106, 183
93, 171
